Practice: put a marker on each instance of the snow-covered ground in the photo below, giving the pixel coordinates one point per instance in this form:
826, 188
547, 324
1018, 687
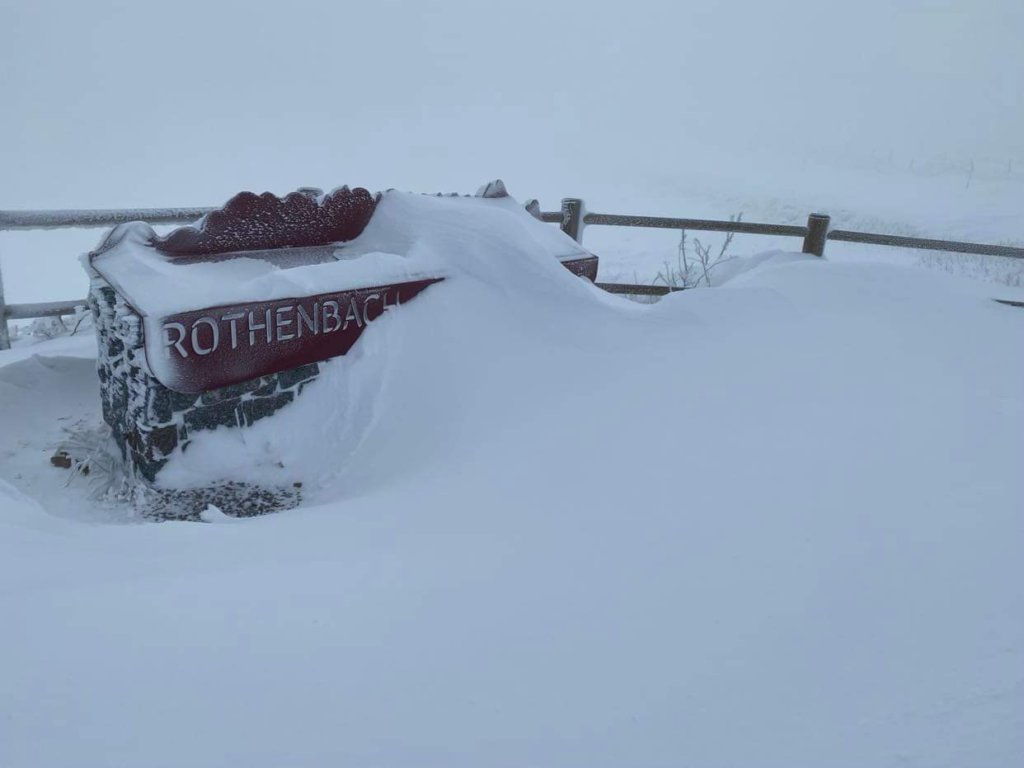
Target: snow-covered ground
777, 522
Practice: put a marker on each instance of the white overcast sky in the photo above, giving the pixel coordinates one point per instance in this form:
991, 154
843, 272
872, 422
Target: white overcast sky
121, 103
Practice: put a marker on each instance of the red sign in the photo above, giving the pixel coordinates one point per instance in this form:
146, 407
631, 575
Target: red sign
210, 348
584, 266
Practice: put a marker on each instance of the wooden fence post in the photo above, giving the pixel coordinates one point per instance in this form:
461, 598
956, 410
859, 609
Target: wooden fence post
5, 338
817, 233
572, 217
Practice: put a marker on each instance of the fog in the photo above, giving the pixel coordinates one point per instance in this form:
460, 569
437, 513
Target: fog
136, 103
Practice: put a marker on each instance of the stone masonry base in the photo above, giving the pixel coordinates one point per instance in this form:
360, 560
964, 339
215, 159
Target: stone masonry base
149, 422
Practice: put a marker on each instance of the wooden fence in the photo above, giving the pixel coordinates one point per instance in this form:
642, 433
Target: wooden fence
573, 218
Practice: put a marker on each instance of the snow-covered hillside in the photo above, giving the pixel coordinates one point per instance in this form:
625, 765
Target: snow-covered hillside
776, 522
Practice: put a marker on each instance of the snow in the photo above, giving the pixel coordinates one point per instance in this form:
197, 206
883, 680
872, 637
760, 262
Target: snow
395, 247
468, 239
775, 522
158, 285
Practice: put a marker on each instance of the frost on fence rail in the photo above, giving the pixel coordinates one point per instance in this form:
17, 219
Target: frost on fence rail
785, 230
926, 244
43, 309
10, 220
706, 225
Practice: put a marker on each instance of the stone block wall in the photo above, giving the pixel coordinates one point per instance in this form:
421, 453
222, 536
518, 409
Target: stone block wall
148, 421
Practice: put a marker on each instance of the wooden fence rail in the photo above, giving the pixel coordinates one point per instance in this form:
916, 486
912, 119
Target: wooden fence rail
93, 218
817, 223
573, 218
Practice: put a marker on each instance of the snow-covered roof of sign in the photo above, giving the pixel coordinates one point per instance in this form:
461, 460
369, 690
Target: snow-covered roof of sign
261, 247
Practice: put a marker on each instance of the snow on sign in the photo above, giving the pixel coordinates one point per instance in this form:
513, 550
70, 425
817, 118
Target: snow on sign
223, 323
281, 320
270, 245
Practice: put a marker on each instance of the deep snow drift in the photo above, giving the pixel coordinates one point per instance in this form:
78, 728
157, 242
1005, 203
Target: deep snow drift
777, 522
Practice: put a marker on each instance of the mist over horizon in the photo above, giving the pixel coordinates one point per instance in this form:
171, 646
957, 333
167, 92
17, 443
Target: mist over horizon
121, 104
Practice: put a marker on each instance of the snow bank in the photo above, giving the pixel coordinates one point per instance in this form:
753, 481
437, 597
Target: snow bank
773, 523
409, 238
479, 244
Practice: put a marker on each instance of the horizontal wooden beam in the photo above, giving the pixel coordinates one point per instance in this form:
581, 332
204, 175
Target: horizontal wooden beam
93, 218
923, 243
637, 290
706, 225
43, 309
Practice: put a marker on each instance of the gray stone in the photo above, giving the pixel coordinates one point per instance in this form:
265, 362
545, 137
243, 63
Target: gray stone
163, 439
267, 389
147, 468
234, 499
293, 376
212, 416
231, 391
164, 403
107, 296
261, 407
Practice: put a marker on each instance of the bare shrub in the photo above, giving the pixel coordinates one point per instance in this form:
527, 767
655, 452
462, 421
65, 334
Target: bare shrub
692, 271
45, 328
